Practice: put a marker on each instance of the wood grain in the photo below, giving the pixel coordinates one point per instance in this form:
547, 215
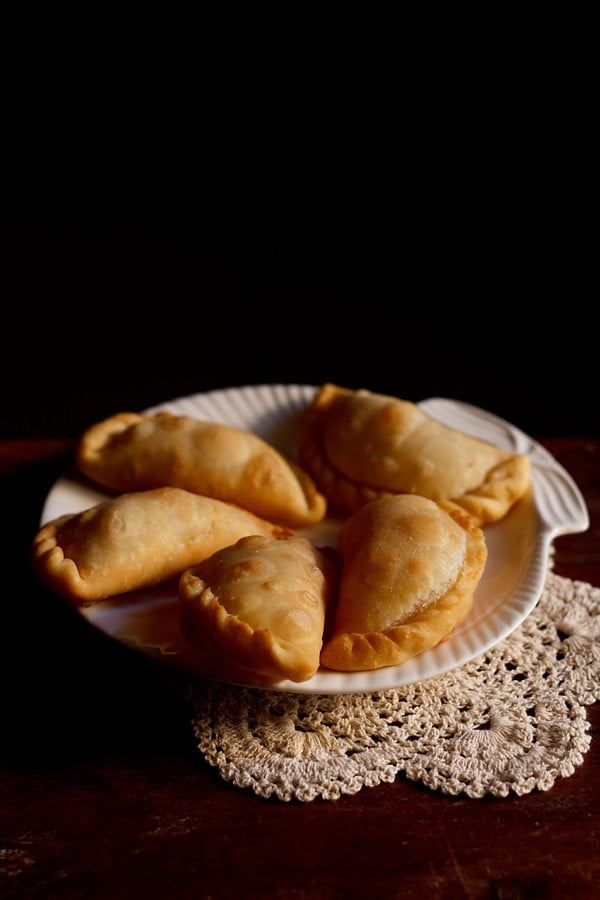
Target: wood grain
104, 794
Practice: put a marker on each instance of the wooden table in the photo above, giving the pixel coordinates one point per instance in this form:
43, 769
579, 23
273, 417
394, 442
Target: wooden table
104, 793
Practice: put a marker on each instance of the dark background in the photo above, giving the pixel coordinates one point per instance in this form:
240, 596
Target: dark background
130, 280
258, 199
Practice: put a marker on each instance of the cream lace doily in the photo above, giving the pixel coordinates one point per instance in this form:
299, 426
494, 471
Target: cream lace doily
513, 719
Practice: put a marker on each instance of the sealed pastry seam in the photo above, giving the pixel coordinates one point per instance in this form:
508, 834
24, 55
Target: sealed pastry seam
252, 649
398, 643
132, 451
136, 540
410, 570
358, 445
201, 502
263, 603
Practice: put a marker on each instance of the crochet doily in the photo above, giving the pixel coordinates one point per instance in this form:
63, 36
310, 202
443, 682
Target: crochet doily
512, 719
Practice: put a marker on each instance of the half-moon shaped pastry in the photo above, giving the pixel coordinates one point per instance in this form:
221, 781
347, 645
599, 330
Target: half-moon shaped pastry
134, 452
136, 540
358, 445
410, 569
262, 602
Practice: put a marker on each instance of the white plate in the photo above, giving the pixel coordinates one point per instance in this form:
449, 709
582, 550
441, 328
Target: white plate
518, 546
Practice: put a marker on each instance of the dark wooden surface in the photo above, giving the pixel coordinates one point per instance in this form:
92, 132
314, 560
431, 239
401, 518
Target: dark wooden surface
104, 794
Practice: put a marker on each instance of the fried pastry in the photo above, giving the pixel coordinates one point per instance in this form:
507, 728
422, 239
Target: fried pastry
359, 445
410, 569
136, 540
262, 602
133, 452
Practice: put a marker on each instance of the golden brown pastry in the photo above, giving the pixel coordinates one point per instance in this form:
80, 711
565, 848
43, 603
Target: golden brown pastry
358, 445
136, 540
133, 452
263, 603
410, 568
